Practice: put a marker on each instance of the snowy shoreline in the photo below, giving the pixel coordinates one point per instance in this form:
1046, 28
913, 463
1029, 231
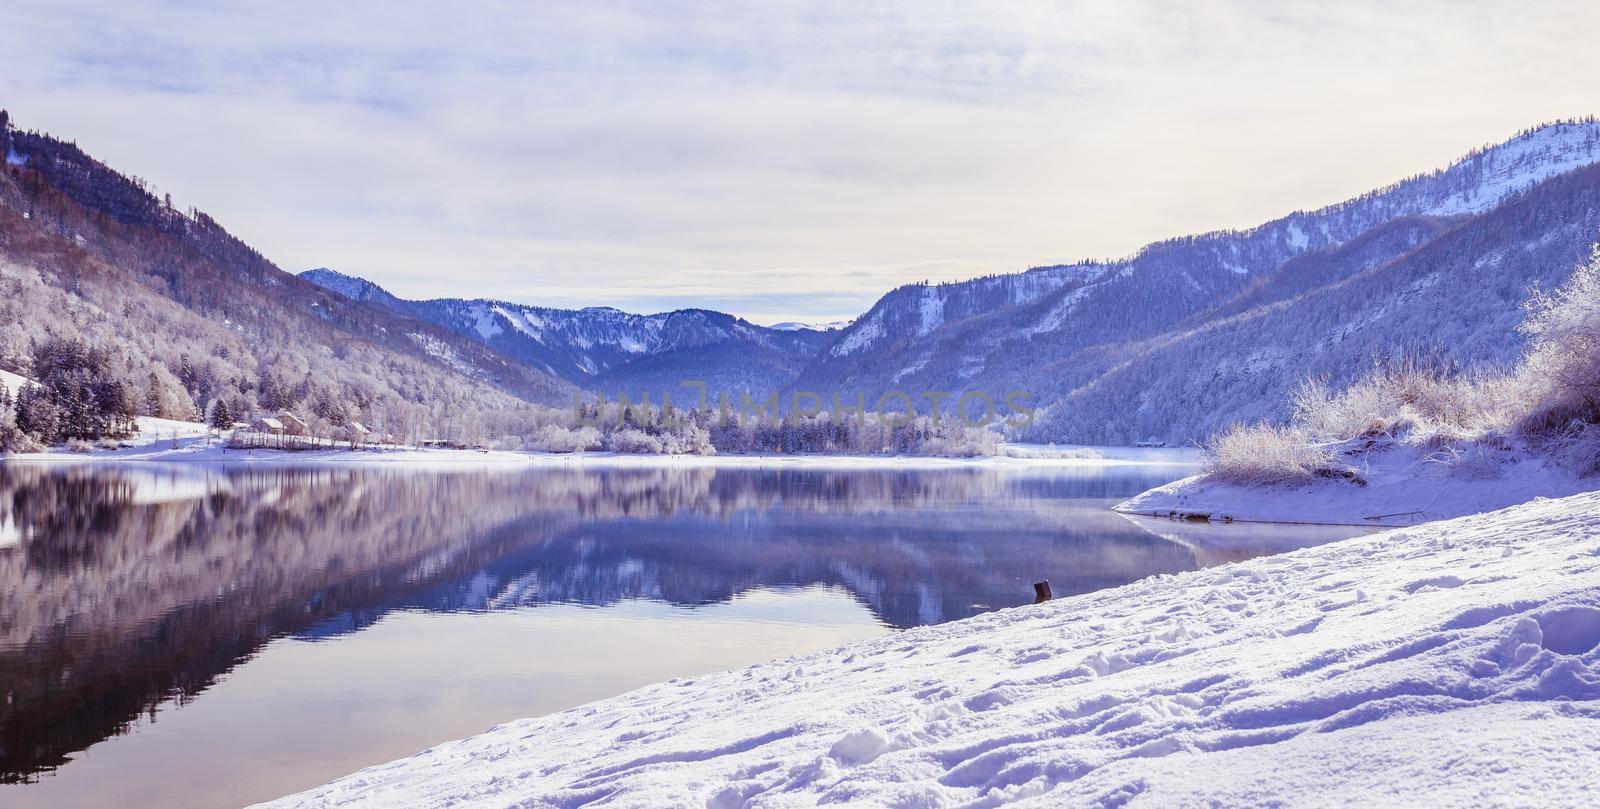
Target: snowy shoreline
1396, 488
599, 460
1456, 662
164, 441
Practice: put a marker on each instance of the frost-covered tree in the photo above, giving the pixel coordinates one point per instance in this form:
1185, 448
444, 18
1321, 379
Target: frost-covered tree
221, 415
1563, 362
153, 395
37, 415
81, 392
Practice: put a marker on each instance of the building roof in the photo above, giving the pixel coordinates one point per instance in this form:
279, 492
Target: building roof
269, 423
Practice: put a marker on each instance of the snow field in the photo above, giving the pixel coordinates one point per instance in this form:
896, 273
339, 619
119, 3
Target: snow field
1454, 663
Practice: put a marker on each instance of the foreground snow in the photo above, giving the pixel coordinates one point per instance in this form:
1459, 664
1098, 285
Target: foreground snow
1401, 485
1452, 663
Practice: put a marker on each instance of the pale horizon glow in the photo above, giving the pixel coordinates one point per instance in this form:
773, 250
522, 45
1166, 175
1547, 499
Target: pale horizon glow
792, 161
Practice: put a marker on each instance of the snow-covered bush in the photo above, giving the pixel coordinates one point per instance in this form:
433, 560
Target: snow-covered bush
1421, 405
13, 439
1473, 424
1561, 374
635, 441
948, 438
1577, 447
687, 437
556, 438
1267, 454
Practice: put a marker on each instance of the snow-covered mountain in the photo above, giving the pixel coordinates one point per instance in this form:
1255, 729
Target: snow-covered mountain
795, 325
1058, 330
198, 315
1184, 337
611, 351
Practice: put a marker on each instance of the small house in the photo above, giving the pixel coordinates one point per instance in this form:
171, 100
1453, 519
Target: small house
355, 432
267, 426
292, 424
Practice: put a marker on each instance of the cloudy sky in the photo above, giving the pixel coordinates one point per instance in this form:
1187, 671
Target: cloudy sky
777, 160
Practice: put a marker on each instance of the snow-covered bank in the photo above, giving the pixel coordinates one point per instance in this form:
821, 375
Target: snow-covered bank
1452, 663
1401, 485
1177, 456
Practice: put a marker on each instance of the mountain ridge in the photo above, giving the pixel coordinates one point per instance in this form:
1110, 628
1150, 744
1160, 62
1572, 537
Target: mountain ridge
1088, 336
608, 350
997, 332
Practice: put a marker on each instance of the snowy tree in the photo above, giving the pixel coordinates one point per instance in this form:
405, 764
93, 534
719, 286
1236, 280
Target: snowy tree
152, 395
221, 415
87, 397
37, 415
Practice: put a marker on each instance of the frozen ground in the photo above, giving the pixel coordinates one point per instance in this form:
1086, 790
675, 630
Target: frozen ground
1401, 485
1454, 663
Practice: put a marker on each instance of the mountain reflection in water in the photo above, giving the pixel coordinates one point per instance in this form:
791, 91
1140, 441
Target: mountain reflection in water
128, 590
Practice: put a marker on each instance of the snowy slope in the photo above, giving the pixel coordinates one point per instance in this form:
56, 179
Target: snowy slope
12, 382
1456, 663
1455, 298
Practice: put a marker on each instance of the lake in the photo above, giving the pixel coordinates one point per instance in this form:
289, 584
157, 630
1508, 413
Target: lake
201, 636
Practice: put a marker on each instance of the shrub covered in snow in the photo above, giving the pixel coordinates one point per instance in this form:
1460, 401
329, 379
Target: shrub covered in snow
557, 438
1431, 404
1472, 424
1560, 379
13, 439
1267, 454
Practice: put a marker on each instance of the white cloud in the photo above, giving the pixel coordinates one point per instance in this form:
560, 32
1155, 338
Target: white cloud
788, 160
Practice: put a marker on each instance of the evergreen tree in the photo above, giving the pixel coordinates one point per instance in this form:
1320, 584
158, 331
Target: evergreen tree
221, 415
187, 375
152, 396
87, 399
37, 415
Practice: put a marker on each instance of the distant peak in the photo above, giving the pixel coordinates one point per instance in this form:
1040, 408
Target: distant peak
349, 286
323, 272
795, 325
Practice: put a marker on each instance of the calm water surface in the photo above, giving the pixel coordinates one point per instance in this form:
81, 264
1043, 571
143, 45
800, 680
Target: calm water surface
201, 637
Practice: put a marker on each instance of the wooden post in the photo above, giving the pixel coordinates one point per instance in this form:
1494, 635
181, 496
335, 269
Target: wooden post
1041, 592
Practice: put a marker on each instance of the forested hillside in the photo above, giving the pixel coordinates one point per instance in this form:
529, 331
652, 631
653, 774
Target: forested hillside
189, 315
1193, 333
1452, 303
113, 296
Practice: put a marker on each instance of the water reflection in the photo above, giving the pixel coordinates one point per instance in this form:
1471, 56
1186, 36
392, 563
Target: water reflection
122, 590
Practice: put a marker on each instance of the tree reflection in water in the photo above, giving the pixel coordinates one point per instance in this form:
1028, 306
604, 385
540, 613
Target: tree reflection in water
125, 588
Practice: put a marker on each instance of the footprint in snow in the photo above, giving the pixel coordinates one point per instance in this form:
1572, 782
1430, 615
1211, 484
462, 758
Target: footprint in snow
1444, 582
1570, 630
